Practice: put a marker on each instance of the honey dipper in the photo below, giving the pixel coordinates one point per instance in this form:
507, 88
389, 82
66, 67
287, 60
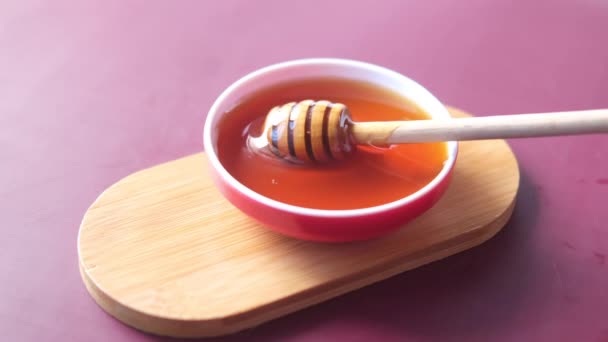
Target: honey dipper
322, 131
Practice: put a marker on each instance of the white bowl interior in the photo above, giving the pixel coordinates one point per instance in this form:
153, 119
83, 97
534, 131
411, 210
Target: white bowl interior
314, 68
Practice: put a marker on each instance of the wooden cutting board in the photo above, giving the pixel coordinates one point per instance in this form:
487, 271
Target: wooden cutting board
162, 251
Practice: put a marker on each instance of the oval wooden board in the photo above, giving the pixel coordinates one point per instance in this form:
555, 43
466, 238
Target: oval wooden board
162, 251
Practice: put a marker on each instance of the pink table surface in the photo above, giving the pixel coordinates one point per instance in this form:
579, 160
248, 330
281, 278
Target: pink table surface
91, 91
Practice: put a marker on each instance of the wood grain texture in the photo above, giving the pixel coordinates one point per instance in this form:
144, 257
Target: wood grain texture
162, 251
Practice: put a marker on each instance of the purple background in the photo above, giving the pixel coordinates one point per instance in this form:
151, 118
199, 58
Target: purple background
91, 91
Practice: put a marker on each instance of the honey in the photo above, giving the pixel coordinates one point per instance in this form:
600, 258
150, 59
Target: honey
371, 176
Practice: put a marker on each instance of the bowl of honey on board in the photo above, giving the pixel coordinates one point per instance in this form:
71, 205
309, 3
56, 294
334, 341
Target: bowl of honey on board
375, 191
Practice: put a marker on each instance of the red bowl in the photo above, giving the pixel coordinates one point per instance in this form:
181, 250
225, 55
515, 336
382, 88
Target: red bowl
319, 224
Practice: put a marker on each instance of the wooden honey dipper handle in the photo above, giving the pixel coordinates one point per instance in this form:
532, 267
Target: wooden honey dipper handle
321, 131
489, 127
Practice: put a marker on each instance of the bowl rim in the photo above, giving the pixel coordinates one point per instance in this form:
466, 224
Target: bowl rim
452, 146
